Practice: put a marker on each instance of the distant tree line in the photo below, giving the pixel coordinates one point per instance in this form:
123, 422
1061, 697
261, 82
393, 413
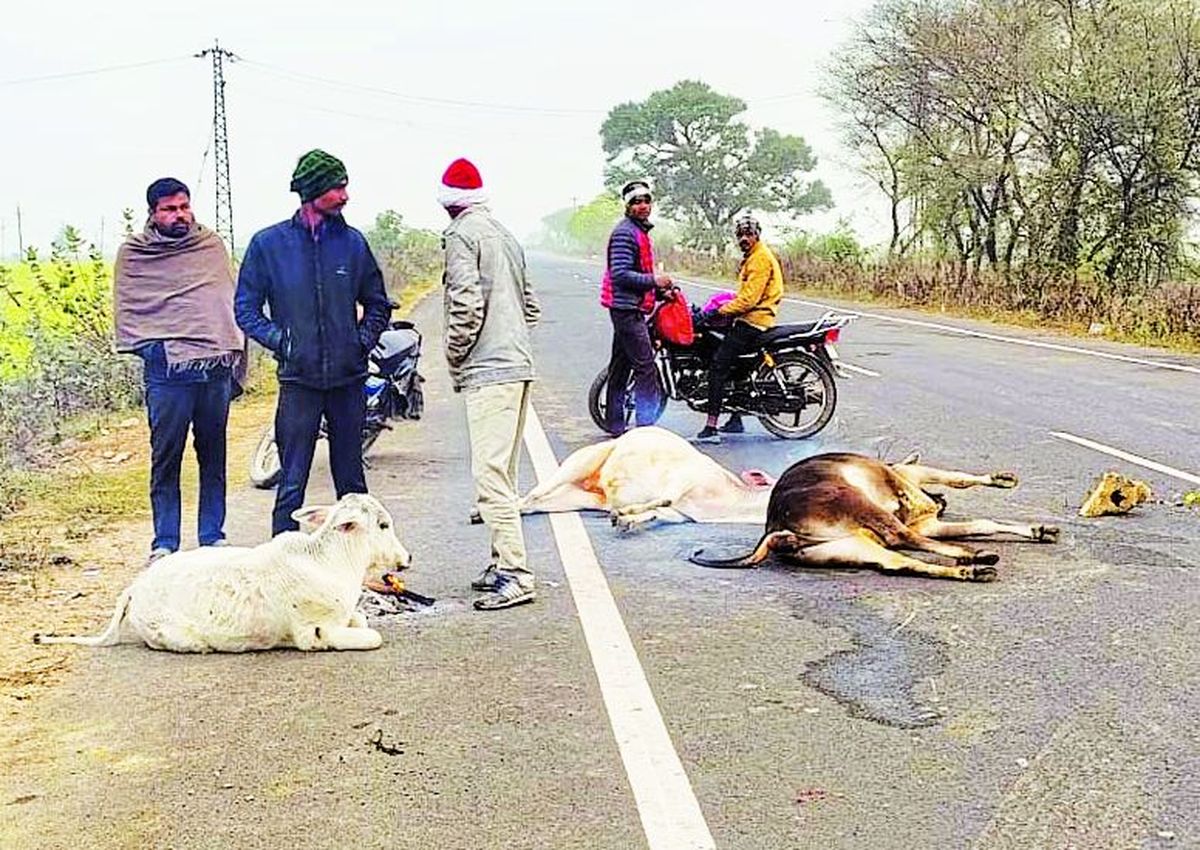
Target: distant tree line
1045, 137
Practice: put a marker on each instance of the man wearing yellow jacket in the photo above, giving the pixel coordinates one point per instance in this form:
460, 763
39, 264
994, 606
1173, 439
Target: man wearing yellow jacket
754, 308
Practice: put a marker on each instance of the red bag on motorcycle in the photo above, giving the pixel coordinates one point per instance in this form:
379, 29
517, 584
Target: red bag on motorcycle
673, 321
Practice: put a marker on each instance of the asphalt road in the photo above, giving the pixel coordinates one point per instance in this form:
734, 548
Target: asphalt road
1054, 708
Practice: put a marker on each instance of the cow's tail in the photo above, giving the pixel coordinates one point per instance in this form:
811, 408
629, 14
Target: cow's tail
760, 553
109, 637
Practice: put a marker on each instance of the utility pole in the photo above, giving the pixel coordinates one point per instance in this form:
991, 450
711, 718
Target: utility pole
20, 237
224, 218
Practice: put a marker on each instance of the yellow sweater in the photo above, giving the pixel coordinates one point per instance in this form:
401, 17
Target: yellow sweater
760, 289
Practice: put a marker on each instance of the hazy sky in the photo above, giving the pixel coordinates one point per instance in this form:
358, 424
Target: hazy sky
532, 82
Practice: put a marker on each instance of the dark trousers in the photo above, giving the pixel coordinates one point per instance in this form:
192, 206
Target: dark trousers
631, 353
297, 423
740, 338
173, 408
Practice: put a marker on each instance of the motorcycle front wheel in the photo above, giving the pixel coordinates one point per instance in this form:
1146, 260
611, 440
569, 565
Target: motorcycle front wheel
809, 395
264, 461
598, 403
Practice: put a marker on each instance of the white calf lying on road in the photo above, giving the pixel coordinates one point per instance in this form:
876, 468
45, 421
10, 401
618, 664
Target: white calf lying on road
298, 590
650, 474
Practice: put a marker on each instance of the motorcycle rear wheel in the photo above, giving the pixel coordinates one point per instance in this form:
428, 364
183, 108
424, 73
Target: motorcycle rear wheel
802, 374
598, 403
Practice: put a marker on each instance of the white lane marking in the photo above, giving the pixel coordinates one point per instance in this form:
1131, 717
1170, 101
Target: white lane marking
850, 367
670, 813
1132, 458
937, 326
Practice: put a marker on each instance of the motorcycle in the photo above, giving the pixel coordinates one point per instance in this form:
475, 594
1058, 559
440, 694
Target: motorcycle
787, 382
393, 391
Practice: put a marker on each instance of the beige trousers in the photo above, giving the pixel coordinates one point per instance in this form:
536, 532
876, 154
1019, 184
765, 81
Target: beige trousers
495, 425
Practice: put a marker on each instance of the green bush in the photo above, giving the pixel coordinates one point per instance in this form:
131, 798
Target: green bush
411, 259
840, 246
590, 225
56, 355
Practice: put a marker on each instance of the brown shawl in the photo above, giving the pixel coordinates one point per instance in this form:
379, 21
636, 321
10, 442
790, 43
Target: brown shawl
179, 291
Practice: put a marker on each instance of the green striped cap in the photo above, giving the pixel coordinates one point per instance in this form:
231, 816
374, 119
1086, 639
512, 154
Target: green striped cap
316, 173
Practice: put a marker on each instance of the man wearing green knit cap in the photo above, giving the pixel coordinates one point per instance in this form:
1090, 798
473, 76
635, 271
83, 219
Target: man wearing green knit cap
327, 308
316, 173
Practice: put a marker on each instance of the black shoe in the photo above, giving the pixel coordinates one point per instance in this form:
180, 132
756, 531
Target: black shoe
708, 434
733, 425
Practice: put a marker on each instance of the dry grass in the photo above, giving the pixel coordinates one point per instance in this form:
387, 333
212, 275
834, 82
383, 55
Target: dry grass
1165, 316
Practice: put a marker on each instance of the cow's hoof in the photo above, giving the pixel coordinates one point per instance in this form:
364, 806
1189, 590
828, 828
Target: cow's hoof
1045, 533
983, 574
1007, 480
624, 525
985, 557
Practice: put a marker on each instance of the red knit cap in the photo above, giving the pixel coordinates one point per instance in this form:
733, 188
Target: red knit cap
462, 174
462, 186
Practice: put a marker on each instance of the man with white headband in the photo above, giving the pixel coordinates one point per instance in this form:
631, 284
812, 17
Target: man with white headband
627, 291
490, 308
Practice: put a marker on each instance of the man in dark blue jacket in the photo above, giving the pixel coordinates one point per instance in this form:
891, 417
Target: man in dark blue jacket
628, 292
314, 272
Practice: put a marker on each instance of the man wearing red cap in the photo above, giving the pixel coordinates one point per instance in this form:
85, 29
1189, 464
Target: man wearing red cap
490, 308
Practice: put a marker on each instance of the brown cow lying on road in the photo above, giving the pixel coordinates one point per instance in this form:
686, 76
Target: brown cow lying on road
853, 510
650, 474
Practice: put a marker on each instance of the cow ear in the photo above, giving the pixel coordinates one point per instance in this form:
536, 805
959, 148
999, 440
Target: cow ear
913, 457
348, 526
312, 517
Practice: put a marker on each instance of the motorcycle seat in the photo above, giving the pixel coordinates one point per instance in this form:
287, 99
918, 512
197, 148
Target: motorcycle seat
788, 331
394, 346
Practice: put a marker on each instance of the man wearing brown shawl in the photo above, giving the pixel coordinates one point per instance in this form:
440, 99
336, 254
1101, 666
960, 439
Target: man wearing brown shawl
173, 294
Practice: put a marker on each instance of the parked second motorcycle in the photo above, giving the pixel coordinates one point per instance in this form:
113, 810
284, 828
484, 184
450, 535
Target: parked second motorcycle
393, 391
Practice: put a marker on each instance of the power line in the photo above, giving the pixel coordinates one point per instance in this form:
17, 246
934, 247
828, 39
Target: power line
549, 111
433, 101
306, 77
90, 72
203, 162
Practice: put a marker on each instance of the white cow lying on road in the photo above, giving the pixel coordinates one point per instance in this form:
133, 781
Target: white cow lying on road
298, 590
650, 474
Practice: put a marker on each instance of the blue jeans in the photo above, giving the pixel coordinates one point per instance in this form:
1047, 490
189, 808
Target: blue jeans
297, 423
173, 408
